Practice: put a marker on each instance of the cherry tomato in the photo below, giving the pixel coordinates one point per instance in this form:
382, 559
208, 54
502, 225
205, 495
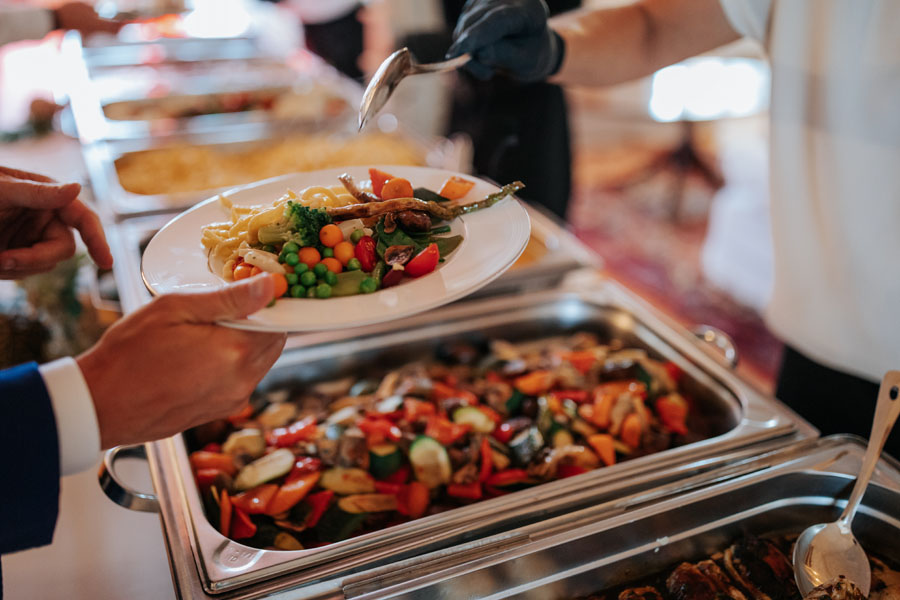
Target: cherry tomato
255, 271
424, 262
365, 252
344, 252
331, 235
309, 256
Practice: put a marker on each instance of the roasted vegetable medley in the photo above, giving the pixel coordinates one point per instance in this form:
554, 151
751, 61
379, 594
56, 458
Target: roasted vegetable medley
752, 568
310, 465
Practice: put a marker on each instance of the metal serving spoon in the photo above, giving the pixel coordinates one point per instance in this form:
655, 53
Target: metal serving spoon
395, 67
825, 551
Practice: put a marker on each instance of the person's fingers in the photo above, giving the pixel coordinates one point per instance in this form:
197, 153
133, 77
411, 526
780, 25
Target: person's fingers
88, 224
36, 195
479, 70
491, 26
26, 175
234, 301
57, 244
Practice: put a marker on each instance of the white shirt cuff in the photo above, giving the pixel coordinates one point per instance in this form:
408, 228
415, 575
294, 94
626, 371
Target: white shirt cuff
76, 420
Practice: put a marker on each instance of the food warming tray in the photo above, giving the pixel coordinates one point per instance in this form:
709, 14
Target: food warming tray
736, 416
100, 160
626, 540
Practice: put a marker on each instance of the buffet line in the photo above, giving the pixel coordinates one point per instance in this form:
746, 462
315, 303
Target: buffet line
579, 443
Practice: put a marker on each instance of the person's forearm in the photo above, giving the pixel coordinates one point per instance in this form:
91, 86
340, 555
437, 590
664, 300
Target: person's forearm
613, 45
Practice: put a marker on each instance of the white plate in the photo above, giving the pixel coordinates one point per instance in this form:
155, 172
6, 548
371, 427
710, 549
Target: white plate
493, 238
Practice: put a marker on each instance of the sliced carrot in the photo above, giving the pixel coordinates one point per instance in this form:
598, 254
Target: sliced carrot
379, 178
603, 445
456, 187
631, 430
281, 284
224, 513
291, 493
535, 383
396, 188
603, 404
417, 499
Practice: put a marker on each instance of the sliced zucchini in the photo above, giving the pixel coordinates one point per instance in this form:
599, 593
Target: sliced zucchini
285, 541
269, 467
246, 441
337, 524
526, 445
545, 417
346, 481
470, 415
384, 460
430, 461
368, 503
560, 436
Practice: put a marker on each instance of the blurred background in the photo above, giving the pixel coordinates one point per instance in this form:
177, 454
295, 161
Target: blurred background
663, 178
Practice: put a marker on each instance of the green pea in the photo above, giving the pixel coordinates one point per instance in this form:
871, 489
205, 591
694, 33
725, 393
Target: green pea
320, 270
269, 248
297, 291
290, 247
292, 278
331, 278
368, 285
327, 252
354, 265
357, 233
291, 258
301, 268
311, 292
323, 290
308, 279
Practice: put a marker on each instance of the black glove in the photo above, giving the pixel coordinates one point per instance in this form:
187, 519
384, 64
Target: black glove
507, 36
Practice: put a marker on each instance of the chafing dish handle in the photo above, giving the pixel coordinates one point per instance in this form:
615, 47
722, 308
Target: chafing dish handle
721, 341
117, 491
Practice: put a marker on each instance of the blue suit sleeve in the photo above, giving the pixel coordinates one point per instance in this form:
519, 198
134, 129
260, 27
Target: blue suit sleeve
30, 467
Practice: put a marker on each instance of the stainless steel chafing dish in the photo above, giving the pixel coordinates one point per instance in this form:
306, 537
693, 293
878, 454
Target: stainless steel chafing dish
101, 158
204, 562
615, 543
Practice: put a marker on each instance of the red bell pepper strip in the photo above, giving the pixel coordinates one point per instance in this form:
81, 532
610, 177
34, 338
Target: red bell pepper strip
379, 178
471, 491
213, 460
378, 430
444, 431
672, 411
291, 493
304, 465
318, 503
579, 396
563, 471
241, 525
384, 487
285, 437
507, 477
255, 501
224, 513
414, 409
673, 370
416, 499
424, 262
442, 391
212, 447
487, 460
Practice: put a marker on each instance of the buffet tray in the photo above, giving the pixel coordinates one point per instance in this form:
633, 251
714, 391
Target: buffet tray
100, 160
735, 415
615, 543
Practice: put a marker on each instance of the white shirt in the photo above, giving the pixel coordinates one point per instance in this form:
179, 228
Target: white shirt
835, 175
76, 420
23, 22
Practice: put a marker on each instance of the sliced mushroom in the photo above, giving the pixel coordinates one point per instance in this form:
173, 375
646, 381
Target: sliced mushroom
398, 255
414, 220
277, 415
390, 223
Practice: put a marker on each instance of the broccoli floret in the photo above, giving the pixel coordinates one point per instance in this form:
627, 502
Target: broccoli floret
300, 225
306, 222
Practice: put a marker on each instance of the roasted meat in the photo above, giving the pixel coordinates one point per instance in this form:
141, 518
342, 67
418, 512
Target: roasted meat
641, 593
759, 567
687, 582
720, 579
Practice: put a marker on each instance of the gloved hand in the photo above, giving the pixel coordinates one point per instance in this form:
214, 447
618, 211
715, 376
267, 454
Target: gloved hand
507, 36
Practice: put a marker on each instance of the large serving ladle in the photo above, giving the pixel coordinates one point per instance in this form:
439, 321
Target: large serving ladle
395, 67
824, 552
